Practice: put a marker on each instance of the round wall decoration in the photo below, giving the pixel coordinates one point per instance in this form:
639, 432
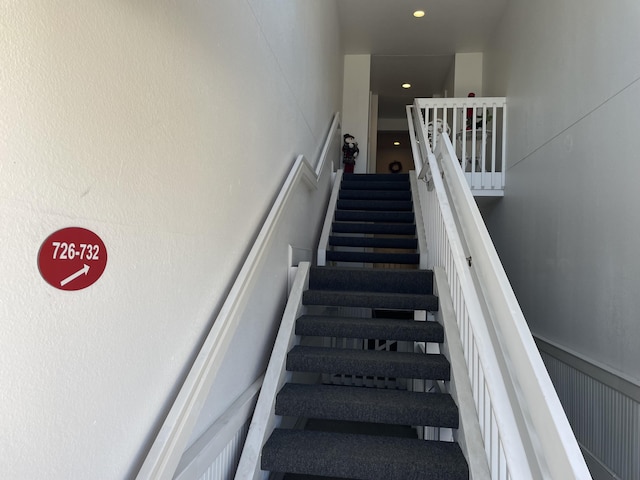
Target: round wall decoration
72, 258
395, 167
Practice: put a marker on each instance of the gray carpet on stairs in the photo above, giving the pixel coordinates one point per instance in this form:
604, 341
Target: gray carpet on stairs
379, 242
375, 204
363, 433
368, 362
371, 280
375, 228
374, 257
371, 328
363, 404
366, 177
374, 185
398, 301
364, 457
367, 216
390, 195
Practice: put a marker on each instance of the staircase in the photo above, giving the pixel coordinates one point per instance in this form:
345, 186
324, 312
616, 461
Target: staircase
352, 430
379, 205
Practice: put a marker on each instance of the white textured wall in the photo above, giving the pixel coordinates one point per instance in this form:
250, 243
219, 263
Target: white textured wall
568, 226
468, 74
166, 128
355, 104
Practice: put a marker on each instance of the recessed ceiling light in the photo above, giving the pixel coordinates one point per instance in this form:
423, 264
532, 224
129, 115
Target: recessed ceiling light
396, 143
406, 85
418, 13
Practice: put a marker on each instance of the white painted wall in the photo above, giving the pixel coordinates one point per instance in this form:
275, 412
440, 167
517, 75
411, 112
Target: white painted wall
386, 124
448, 88
355, 104
567, 228
167, 129
468, 74
373, 132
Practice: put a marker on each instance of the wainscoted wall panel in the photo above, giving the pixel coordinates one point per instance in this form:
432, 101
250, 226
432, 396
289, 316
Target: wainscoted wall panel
606, 421
224, 466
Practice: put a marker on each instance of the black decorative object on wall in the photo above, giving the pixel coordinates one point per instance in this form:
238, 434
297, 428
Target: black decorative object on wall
395, 167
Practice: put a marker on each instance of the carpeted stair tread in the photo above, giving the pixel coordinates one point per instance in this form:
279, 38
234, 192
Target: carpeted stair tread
372, 328
374, 242
374, 185
300, 476
373, 257
368, 362
362, 404
362, 457
373, 216
386, 228
381, 177
371, 280
378, 205
397, 301
398, 195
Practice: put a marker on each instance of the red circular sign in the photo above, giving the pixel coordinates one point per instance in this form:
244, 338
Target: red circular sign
72, 258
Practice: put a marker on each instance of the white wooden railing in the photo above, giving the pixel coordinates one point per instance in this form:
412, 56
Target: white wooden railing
323, 243
525, 432
476, 127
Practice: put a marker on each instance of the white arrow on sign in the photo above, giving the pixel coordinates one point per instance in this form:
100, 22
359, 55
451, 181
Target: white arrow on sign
83, 271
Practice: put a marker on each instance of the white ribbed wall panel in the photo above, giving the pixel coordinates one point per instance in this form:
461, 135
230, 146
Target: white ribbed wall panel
224, 466
606, 422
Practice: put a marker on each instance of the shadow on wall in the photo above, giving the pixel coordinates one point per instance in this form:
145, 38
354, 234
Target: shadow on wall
392, 157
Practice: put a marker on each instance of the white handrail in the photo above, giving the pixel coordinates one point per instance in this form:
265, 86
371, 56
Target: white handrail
536, 394
165, 452
326, 154
496, 338
419, 219
323, 243
469, 434
446, 250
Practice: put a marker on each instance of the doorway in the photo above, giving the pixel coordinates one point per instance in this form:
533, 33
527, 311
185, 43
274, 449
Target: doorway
393, 154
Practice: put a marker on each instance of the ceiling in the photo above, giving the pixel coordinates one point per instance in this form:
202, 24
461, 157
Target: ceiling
419, 51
